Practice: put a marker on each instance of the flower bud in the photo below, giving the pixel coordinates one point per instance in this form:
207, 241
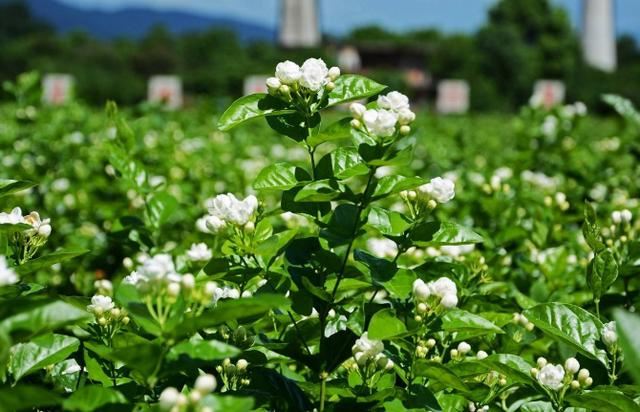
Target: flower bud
541, 362
357, 110
575, 385
422, 308
502, 382
242, 364
330, 86
454, 353
481, 354
588, 381
431, 343
188, 281
572, 365
273, 83
464, 348
249, 227
405, 130
173, 289
355, 123
529, 326
195, 396
115, 312
168, 398
334, 73
533, 372
431, 204
125, 321
102, 321
449, 301
205, 384
583, 374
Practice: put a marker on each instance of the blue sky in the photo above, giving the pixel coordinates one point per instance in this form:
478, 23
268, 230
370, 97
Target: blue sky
340, 16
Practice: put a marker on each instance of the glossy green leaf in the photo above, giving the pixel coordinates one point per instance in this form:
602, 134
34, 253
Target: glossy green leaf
385, 325
628, 328
204, 349
342, 163
392, 184
570, 325
458, 320
319, 191
279, 176
251, 107
336, 131
602, 272
388, 222
603, 400
439, 372
93, 397
46, 261
353, 87
160, 207
443, 233
40, 352
9, 187
27, 397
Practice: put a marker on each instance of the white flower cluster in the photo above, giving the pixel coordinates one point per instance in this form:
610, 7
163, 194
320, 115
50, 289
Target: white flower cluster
39, 227
233, 376
312, 76
560, 200
461, 351
557, 377
393, 110
106, 312
438, 189
520, 319
7, 275
539, 179
621, 216
226, 209
424, 346
199, 252
368, 354
155, 271
174, 401
439, 293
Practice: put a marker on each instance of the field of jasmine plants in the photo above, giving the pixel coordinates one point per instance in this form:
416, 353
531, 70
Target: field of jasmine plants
323, 247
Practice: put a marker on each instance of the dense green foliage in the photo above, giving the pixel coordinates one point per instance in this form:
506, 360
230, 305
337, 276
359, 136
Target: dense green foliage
521, 42
319, 294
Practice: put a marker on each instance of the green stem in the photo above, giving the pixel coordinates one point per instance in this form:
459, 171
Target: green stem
323, 392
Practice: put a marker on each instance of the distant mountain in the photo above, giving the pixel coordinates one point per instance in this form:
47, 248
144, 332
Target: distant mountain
136, 22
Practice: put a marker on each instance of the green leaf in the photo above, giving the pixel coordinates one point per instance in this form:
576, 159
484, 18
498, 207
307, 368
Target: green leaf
458, 320
335, 131
570, 325
207, 350
277, 177
160, 207
142, 357
233, 309
251, 107
513, 367
603, 400
401, 284
9, 187
40, 352
443, 233
628, 328
385, 325
392, 184
228, 403
45, 262
602, 272
382, 270
27, 397
274, 246
9, 228
342, 163
439, 372
388, 222
41, 317
93, 397
319, 191
590, 228
353, 87
537, 406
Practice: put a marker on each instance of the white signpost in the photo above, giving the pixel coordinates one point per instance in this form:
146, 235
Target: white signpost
167, 90
57, 88
548, 93
453, 96
255, 84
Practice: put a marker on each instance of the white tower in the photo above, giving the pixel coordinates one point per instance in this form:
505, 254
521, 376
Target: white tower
299, 26
599, 35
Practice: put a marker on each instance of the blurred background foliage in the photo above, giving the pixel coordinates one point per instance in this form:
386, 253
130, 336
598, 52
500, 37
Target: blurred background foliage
522, 40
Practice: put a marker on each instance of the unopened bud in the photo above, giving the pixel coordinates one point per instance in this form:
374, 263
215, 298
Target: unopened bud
334, 73
102, 321
330, 86
431, 343
173, 289
405, 130
355, 123
125, 320
575, 385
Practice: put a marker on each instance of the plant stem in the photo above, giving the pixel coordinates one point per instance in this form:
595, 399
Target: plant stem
323, 391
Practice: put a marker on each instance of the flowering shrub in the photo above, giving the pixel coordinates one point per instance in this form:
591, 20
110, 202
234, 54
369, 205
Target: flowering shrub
338, 279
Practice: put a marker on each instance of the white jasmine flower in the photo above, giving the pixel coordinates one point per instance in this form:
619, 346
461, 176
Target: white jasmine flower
406, 116
314, 74
7, 275
288, 72
41, 227
551, 376
273, 83
199, 252
449, 301
365, 349
225, 292
100, 304
457, 250
381, 123
394, 101
439, 189
13, 218
357, 110
229, 209
133, 278
421, 290
464, 348
382, 247
609, 334
444, 286
572, 365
